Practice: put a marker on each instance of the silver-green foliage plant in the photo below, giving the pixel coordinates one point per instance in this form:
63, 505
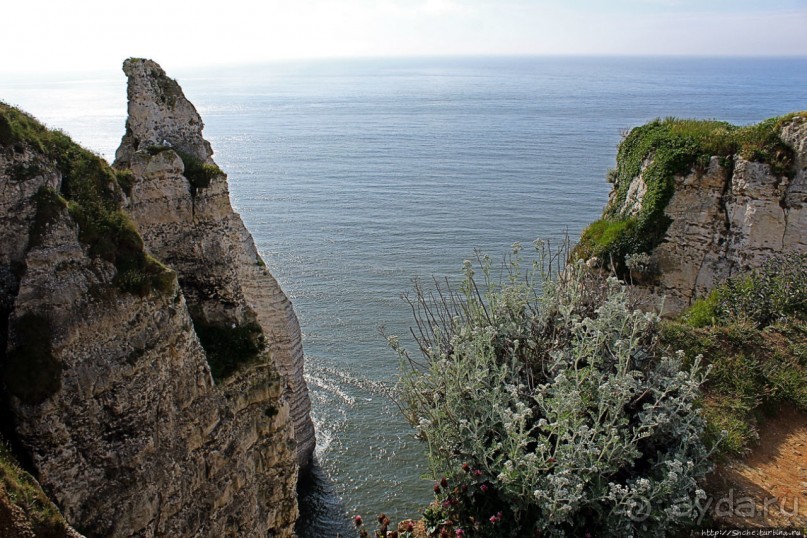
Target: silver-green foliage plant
548, 412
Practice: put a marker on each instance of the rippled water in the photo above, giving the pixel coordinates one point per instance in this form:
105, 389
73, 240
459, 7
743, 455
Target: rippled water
357, 176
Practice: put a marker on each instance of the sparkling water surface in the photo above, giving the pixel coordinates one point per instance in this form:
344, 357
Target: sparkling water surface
355, 177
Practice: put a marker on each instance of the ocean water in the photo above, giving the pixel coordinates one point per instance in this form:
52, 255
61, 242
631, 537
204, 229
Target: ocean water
355, 177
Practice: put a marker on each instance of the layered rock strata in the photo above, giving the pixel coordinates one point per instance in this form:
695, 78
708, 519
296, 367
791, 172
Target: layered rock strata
186, 220
725, 218
106, 382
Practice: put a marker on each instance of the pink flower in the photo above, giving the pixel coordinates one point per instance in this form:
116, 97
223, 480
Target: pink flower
437, 488
459, 533
410, 527
477, 472
444, 482
484, 488
466, 467
357, 521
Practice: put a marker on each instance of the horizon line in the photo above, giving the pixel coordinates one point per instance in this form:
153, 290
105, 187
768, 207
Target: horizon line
195, 67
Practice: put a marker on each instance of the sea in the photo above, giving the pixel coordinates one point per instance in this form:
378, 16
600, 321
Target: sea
357, 177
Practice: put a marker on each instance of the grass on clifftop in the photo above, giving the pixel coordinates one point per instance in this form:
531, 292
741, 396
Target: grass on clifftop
92, 193
753, 332
671, 147
25, 492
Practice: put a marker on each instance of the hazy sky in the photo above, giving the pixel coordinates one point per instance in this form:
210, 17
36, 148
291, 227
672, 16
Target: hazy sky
79, 35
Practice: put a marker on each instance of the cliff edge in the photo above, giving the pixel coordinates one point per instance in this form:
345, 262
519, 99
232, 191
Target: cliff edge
696, 202
146, 371
180, 203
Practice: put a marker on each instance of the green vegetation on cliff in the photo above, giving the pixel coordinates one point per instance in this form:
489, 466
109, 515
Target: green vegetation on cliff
198, 173
549, 406
22, 490
229, 346
551, 412
658, 151
92, 194
753, 332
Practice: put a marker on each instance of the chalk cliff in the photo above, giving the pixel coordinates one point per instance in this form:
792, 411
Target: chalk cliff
703, 201
180, 203
150, 398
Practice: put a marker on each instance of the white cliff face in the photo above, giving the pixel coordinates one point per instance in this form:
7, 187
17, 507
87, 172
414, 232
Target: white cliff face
111, 392
137, 441
159, 113
728, 220
795, 195
196, 232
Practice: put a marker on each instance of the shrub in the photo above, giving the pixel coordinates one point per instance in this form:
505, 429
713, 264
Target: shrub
49, 205
228, 345
753, 329
703, 312
753, 372
551, 413
774, 293
126, 180
198, 173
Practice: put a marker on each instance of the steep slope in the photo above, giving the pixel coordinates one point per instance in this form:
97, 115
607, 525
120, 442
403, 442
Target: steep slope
180, 203
106, 389
25, 510
694, 203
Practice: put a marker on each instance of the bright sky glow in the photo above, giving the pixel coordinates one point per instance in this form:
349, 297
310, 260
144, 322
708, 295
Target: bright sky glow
47, 36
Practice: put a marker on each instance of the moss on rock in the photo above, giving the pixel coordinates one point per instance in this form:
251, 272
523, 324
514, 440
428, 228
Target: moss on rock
22, 490
93, 194
659, 151
228, 346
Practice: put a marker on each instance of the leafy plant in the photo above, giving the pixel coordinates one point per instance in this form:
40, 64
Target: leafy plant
228, 345
198, 173
551, 413
49, 204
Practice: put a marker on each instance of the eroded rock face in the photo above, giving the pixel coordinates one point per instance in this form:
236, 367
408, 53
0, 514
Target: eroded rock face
110, 390
191, 226
159, 113
728, 219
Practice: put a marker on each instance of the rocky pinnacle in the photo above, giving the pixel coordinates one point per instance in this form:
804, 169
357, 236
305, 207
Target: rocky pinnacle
194, 229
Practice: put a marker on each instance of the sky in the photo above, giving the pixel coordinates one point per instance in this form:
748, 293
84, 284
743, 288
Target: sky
50, 36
